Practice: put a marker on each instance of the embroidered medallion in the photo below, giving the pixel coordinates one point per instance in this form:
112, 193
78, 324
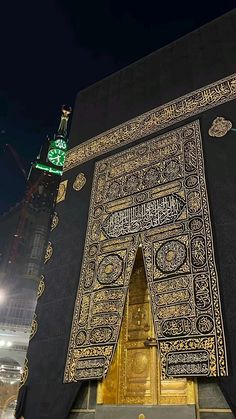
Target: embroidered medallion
79, 182
24, 374
48, 253
154, 193
55, 221
220, 126
109, 269
34, 327
171, 256
41, 287
61, 195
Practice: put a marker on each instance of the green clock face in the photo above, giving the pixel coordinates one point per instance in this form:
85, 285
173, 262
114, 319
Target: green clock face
56, 156
60, 144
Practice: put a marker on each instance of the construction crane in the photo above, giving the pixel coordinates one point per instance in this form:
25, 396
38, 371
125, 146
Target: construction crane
17, 159
48, 172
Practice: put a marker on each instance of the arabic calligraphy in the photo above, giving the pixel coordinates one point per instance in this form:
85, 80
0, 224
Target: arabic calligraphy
159, 199
193, 103
185, 363
144, 216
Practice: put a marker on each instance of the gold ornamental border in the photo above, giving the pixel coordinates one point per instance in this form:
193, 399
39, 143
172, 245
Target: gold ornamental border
152, 121
87, 351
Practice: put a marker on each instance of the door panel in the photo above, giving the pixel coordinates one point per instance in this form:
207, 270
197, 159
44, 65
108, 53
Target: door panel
134, 376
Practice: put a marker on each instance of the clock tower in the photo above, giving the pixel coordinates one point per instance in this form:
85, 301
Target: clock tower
56, 151
58, 147
42, 188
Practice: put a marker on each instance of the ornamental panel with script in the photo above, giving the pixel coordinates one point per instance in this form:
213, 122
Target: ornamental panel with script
154, 192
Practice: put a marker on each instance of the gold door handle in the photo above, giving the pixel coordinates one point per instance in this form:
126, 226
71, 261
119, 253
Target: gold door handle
150, 341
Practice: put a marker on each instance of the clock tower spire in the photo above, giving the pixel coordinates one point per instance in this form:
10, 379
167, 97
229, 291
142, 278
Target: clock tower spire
62, 130
56, 152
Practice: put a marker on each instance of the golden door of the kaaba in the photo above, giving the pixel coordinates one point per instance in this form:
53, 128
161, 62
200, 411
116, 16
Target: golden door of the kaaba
134, 375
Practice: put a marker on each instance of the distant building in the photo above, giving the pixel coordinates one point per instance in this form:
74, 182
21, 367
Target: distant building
24, 231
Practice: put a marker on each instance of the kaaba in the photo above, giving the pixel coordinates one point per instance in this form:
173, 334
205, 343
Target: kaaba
136, 314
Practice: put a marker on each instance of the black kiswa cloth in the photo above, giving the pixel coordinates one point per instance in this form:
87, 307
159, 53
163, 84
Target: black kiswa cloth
48, 397
219, 155
45, 396
201, 58
19, 412
44, 403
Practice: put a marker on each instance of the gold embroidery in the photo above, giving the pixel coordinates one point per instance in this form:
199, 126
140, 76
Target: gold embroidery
160, 200
24, 374
41, 286
49, 252
55, 221
61, 195
34, 327
191, 104
189, 357
220, 126
79, 182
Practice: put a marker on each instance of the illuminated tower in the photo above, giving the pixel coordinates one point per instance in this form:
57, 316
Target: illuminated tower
44, 180
56, 152
25, 228
23, 236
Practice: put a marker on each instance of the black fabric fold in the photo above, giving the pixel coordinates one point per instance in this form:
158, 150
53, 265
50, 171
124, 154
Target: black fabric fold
19, 412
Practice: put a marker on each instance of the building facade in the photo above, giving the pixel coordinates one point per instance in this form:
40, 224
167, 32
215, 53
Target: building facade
24, 231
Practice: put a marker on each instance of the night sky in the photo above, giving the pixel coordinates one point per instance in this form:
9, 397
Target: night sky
51, 49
